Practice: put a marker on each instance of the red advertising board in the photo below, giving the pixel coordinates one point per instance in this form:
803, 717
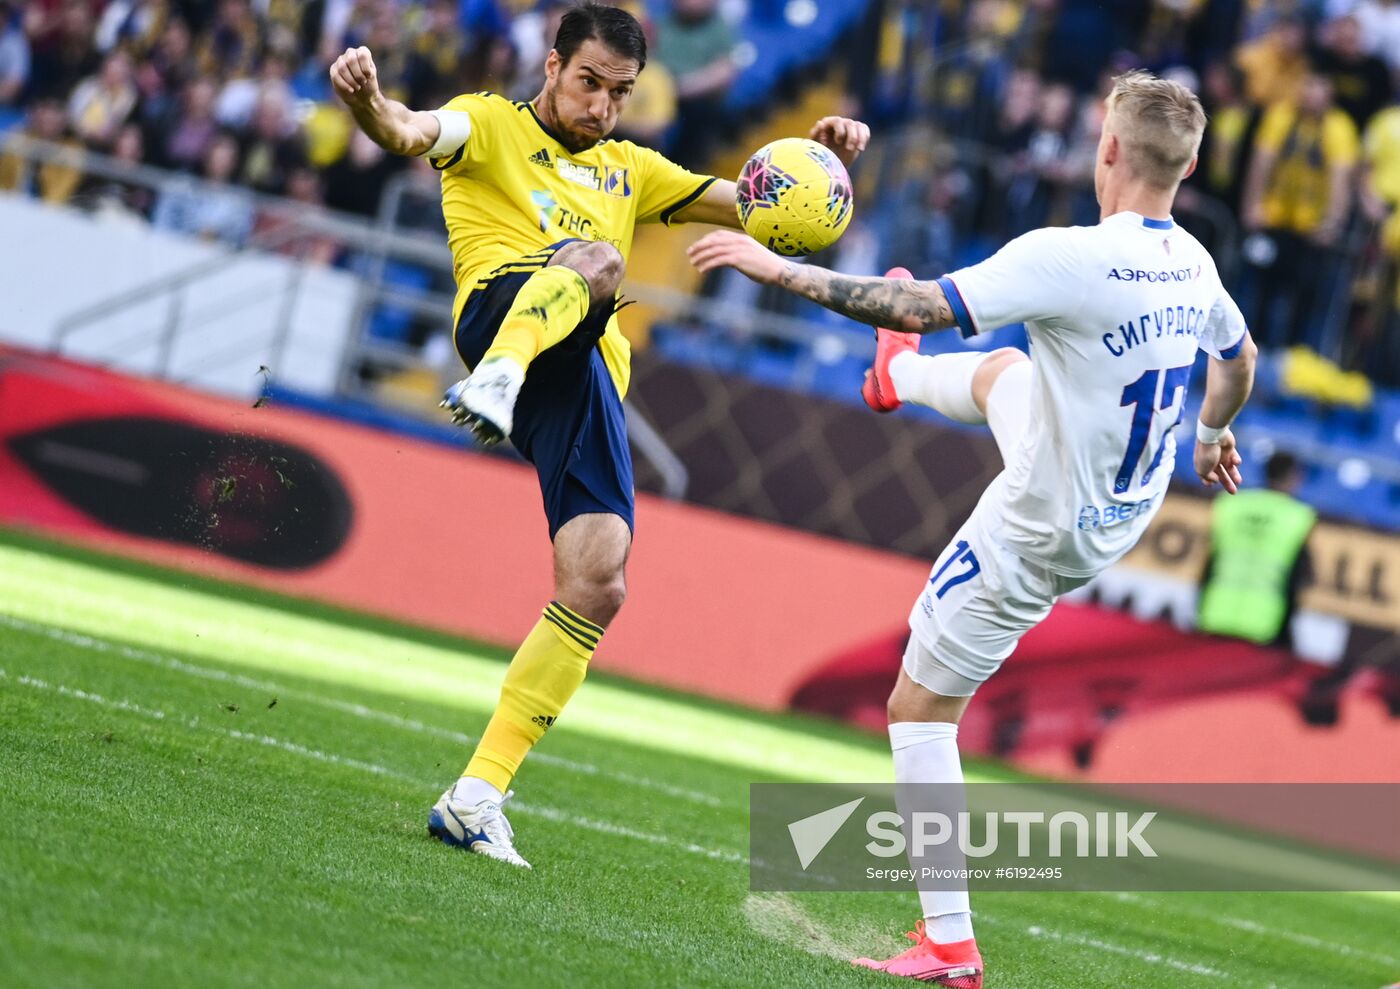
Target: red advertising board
736, 609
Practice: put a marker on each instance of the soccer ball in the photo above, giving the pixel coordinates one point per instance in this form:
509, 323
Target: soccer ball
794, 196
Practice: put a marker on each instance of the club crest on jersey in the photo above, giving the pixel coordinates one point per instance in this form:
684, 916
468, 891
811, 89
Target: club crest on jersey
541, 158
584, 175
616, 182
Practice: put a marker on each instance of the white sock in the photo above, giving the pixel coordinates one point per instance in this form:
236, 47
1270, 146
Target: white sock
927, 752
942, 382
1009, 407
472, 790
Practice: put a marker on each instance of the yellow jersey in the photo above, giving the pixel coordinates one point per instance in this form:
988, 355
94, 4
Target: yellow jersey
1299, 188
513, 190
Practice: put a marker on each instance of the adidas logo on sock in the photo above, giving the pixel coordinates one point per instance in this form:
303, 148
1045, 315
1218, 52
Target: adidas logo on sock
543, 720
541, 158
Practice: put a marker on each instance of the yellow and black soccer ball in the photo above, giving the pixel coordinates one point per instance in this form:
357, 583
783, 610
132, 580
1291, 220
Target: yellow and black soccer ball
794, 196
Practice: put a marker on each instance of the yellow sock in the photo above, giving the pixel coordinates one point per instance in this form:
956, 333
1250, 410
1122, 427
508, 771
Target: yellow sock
547, 669
548, 306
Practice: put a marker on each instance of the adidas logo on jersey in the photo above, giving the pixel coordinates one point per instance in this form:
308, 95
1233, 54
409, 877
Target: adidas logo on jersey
541, 158
543, 720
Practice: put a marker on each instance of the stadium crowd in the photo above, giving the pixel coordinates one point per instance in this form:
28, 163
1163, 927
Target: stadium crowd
1299, 177
999, 102
236, 91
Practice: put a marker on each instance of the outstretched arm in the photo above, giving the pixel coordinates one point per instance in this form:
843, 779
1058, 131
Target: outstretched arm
390, 124
897, 304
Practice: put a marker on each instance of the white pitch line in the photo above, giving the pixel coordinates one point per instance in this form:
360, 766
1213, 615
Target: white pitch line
537, 810
356, 710
1151, 957
1333, 947
1254, 927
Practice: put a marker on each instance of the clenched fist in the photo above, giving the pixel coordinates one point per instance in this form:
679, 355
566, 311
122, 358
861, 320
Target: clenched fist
354, 78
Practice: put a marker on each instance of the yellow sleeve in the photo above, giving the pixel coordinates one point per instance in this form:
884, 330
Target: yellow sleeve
1274, 128
484, 110
1340, 145
663, 187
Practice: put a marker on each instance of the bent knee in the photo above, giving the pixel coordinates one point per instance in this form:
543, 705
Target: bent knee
597, 599
990, 369
1000, 359
612, 595
600, 264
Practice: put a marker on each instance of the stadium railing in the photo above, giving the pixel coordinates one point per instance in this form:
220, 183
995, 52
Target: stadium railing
369, 247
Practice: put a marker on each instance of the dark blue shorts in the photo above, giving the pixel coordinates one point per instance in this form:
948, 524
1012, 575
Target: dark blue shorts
568, 418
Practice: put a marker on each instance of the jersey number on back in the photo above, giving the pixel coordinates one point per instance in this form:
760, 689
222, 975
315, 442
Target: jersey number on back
1158, 390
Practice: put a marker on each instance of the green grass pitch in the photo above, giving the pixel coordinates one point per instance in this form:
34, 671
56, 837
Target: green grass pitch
203, 786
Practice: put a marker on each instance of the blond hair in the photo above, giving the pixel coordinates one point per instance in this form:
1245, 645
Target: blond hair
1159, 124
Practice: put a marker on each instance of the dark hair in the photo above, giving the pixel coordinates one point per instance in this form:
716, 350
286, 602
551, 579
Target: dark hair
614, 27
1280, 468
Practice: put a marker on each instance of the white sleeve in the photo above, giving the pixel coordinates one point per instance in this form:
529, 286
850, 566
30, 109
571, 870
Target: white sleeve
454, 127
1038, 276
1225, 329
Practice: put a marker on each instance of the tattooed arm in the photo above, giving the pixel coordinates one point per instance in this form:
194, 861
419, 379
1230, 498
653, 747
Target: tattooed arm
894, 303
897, 304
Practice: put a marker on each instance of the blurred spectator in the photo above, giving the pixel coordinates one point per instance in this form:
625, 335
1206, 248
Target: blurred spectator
102, 103
1298, 196
211, 211
1229, 138
356, 182
1360, 81
115, 195
133, 23
234, 41
273, 146
973, 76
172, 59
1377, 347
1041, 167
1275, 65
532, 37
924, 240
53, 181
61, 46
437, 47
1258, 558
1379, 22
697, 47
1084, 33
14, 55
651, 112
187, 133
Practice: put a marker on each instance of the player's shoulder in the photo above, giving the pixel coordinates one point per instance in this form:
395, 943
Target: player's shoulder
628, 150
1054, 246
486, 103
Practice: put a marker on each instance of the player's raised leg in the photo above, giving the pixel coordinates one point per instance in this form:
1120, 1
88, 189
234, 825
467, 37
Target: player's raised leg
923, 727
546, 309
968, 387
590, 556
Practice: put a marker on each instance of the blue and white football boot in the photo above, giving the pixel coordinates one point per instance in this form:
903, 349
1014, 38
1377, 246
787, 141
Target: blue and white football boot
479, 828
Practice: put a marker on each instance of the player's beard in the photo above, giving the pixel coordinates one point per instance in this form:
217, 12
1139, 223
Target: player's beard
571, 139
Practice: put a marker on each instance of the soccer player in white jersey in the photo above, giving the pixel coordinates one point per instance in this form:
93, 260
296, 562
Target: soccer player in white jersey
1115, 314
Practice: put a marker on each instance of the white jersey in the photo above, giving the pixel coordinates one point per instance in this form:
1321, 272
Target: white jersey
1115, 314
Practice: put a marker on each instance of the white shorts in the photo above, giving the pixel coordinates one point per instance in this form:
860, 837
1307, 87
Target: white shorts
980, 599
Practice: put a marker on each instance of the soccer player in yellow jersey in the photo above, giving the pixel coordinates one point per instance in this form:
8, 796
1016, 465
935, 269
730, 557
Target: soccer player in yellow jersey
540, 209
